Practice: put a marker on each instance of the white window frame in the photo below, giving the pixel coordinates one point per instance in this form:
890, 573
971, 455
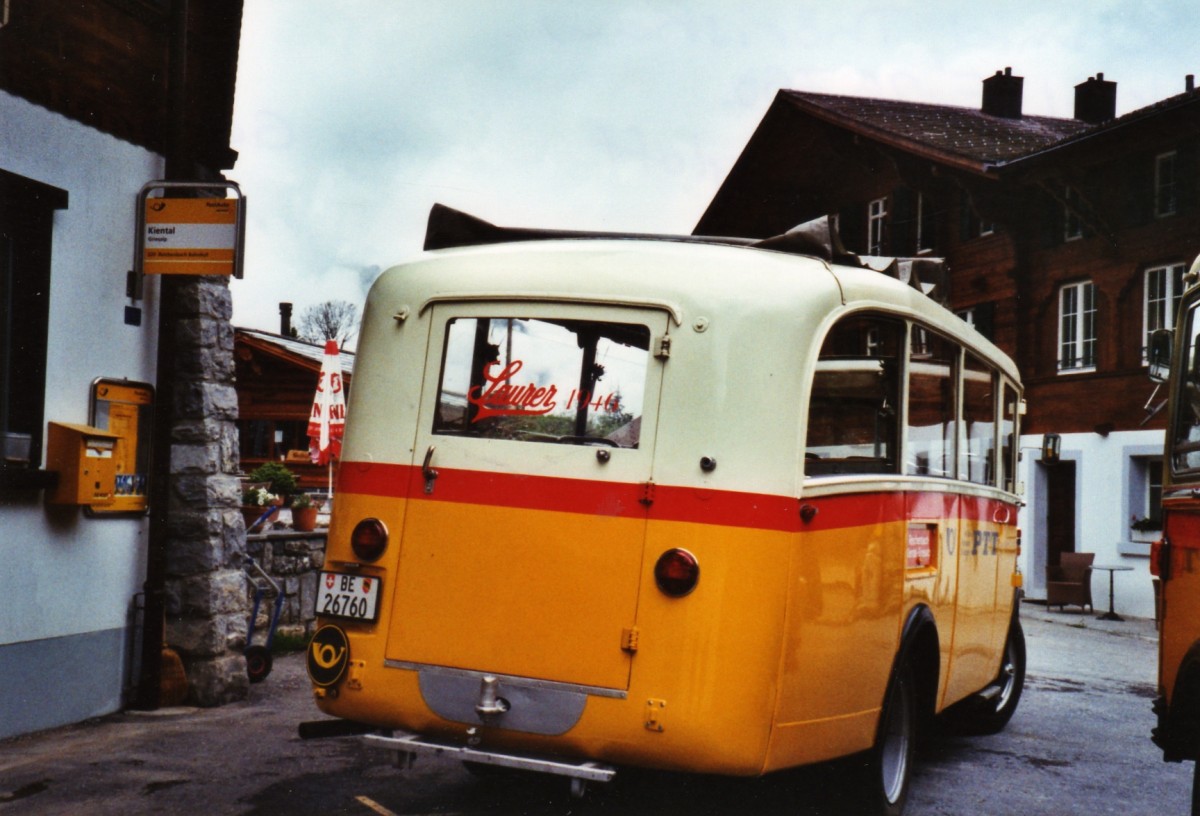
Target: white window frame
876, 219
1072, 223
925, 237
1166, 184
1162, 287
1077, 329
1144, 493
1154, 488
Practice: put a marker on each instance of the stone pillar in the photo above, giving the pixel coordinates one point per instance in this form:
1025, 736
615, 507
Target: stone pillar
206, 600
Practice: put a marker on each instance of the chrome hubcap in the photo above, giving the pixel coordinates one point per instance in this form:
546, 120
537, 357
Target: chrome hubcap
894, 752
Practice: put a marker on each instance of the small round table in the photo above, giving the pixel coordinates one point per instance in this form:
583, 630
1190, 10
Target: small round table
1110, 615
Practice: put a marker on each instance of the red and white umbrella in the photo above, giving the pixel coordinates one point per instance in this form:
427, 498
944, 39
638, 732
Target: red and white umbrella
328, 418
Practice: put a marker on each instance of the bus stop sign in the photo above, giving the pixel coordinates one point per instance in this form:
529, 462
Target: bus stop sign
192, 229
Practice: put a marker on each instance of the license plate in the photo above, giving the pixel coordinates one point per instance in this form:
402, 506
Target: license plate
354, 597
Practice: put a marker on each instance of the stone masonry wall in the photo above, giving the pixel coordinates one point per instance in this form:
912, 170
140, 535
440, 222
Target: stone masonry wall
206, 604
293, 560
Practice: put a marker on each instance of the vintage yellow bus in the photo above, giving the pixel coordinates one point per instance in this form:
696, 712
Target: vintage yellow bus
692, 504
1175, 558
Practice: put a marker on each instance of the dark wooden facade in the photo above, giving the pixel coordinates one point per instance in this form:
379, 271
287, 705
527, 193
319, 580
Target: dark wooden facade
105, 63
814, 155
276, 381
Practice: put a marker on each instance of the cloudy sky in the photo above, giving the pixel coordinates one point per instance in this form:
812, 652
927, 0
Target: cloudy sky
353, 117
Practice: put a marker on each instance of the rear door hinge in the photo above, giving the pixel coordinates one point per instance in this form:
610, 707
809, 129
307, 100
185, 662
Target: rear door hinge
662, 347
647, 497
629, 639
654, 714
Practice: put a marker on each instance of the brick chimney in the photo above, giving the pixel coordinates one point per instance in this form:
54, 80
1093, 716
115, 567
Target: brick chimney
1096, 100
285, 319
1002, 94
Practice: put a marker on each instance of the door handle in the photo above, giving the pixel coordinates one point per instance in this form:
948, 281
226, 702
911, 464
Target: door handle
430, 473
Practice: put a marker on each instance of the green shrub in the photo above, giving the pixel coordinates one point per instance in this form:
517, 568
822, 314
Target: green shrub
283, 481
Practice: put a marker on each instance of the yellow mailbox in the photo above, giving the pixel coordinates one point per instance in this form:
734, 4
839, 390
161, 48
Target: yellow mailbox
84, 459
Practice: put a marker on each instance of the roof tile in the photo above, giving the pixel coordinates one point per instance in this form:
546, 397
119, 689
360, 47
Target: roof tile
966, 133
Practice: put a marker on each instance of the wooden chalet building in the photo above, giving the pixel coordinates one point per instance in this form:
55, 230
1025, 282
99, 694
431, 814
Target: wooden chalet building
276, 381
1065, 240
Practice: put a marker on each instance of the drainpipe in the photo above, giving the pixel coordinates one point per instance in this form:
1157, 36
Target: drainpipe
177, 169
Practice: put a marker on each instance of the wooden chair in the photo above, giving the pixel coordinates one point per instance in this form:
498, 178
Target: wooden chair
1070, 582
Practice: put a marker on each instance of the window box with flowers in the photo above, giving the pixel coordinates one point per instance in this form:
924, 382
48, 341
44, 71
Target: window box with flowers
1145, 529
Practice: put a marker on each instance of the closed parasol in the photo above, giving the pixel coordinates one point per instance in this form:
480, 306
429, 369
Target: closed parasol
327, 420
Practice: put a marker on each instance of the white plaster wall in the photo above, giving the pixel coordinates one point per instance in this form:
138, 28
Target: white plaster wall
65, 574
1102, 515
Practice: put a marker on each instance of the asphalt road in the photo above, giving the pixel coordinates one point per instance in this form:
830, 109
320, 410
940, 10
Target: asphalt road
1078, 744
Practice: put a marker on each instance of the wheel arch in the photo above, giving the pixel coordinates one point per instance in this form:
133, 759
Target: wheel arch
920, 647
1184, 711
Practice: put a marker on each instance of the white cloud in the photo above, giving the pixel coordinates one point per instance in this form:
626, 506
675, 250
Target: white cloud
353, 118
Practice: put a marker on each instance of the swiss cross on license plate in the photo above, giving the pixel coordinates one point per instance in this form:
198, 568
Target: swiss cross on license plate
354, 597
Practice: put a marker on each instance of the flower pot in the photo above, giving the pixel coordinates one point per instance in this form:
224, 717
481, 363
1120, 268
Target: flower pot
304, 519
251, 512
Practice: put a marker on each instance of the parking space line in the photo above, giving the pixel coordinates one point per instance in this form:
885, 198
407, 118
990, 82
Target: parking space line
375, 806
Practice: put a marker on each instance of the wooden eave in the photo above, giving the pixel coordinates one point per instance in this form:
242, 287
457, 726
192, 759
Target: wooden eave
277, 351
105, 65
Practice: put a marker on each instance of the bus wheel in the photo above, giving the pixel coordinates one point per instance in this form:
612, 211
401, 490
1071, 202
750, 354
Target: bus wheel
889, 769
991, 714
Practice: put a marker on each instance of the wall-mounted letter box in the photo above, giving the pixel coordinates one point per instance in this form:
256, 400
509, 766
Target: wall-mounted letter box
84, 459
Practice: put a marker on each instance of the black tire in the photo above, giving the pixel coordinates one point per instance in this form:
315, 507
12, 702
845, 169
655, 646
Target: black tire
888, 771
990, 716
258, 663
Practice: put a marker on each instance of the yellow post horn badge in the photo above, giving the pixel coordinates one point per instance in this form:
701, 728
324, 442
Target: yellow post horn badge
328, 655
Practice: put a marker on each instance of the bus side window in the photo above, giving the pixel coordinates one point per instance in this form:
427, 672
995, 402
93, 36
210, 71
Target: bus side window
1008, 426
854, 405
929, 437
979, 421
1185, 438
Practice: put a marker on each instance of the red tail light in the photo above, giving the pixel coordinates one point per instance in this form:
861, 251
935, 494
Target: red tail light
369, 539
677, 572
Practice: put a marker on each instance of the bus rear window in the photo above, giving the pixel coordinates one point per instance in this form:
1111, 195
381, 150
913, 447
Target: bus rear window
543, 380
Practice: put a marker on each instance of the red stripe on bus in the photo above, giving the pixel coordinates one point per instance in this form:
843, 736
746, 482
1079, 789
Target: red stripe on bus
664, 502
619, 499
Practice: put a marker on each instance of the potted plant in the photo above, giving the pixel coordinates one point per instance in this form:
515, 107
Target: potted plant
280, 481
255, 501
304, 513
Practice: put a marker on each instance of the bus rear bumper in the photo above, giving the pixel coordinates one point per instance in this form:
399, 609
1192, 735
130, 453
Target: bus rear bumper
408, 746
